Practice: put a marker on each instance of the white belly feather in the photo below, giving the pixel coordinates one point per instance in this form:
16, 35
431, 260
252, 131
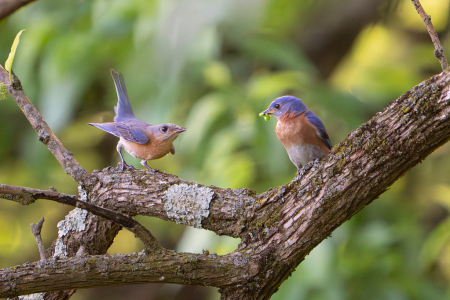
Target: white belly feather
301, 155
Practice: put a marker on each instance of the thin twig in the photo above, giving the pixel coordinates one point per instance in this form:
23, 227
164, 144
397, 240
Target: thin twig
46, 135
18, 194
36, 230
7, 7
439, 51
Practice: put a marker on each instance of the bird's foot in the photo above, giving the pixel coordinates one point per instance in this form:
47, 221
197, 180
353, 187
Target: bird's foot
125, 166
144, 163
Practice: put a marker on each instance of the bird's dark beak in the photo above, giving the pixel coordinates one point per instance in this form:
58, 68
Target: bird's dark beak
267, 112
175, 132
178, 130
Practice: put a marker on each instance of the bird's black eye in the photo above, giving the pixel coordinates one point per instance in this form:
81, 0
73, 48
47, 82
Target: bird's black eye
277, 106
164, 128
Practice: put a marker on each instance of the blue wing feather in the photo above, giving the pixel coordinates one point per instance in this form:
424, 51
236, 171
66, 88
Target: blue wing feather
108, 127
131, 133
320, 128
126, 130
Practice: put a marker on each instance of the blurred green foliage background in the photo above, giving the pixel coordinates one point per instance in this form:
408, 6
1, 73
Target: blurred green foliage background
212, 66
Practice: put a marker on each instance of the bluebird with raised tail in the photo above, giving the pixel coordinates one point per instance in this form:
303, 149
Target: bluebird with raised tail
301, 132
140, 139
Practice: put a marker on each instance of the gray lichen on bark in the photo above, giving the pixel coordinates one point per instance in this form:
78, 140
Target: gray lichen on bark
74, 222
188, 204
82, 193
37, 296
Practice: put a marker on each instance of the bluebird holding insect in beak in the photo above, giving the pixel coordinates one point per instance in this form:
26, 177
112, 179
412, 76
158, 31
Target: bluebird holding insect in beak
300, 131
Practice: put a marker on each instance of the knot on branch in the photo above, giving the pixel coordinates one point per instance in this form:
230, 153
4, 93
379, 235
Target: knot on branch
15, 82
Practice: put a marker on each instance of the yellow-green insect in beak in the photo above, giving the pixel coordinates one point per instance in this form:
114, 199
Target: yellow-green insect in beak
266, 114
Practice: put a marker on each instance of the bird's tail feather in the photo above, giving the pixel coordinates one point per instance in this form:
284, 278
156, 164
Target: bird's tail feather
123, 109
108, 127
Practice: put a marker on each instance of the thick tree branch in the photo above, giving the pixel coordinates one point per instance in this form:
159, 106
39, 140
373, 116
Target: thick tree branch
26, 196
158, 194
46, 136
439, 51
7, 7
281, 226
90, 271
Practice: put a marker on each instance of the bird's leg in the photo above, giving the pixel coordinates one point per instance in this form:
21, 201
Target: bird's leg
299, 168
144, 163
124, 164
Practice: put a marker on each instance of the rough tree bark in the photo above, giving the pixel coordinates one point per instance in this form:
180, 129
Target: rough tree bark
277, 228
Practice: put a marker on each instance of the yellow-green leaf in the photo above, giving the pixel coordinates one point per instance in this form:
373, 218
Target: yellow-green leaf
9, 61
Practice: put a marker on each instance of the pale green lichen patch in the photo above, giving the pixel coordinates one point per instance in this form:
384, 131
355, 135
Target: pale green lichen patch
37, 296
82, 194
3, 91
188, 204
26, 199
60, 249
74, 222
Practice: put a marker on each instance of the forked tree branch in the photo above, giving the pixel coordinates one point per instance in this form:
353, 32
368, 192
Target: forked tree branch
277, 228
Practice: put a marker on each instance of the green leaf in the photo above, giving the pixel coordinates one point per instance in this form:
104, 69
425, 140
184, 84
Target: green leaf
9, 61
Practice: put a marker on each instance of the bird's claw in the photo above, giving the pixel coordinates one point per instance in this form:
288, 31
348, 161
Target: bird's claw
126, 166
144, 163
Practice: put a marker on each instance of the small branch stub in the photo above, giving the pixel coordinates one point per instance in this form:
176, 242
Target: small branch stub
36, 230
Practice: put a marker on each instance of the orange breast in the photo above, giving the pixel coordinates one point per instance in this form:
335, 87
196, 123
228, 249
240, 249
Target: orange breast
300, 139
293, 130
154, 149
